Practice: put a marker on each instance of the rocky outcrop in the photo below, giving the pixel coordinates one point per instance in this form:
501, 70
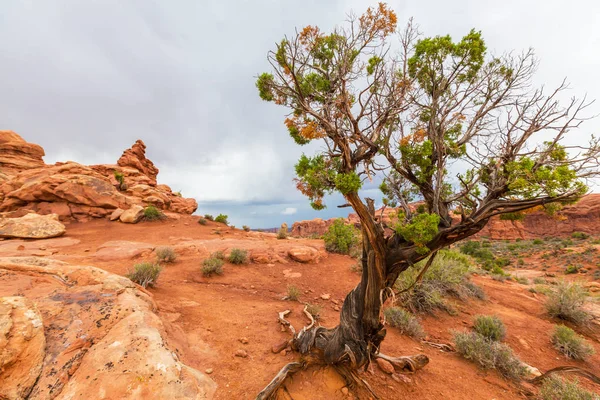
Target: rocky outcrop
79, 192
17, 155
583, 216
102, 337
135, 158
31, 226
22, 347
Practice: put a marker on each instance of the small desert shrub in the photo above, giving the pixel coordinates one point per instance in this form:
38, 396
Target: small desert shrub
472, 290
218, 254
293, 293
314, 310
556, 388
238, 256
178, 194
579, 235
120, 180
209, 217
571, 269
165, 254
202, 221
152, 213
282, 233
406, 323
357, 267
543, 289
447, 276
567, 301
570, 343
539, 281
538, 242
222, 218
521, 280
340, 238
145, 274
489, 354
490, 327
212, 266
246, 228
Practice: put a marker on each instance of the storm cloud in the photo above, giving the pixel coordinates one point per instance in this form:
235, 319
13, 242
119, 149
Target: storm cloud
85, 79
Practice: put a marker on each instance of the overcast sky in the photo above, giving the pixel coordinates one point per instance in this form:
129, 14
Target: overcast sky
86, 78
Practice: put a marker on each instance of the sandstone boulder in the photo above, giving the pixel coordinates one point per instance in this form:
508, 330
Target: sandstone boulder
133, 215
135, 157
32, 226
304, 254
103, 338
116, 214
17, 155
22, 347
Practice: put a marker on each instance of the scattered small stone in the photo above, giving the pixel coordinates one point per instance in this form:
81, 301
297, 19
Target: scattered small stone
243, 340
336, 308
283, 352
345, 391
334, 301
281, 346
209, 371
326, 296
385, 366
241, 353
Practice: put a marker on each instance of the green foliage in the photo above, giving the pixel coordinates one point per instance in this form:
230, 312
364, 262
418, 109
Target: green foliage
557, 388
516, 216
490, 326
145, 274
340, 238
406, 323
570, 343
238, 256
202, 221
347, 183
264, 83
293, 293
537, 242
580, 235
282, 233
246, 228
489, 354
567, 303
120, 180
420, 230
212, 266
165, 254
314, 310
218, 254
571, 269
447, 276
209, 217
152, 213
222, 218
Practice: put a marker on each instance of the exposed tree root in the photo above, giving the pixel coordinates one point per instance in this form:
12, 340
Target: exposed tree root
269, 392
569, 369
406, 364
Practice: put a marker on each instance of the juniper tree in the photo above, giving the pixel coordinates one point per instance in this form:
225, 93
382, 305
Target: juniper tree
433, 119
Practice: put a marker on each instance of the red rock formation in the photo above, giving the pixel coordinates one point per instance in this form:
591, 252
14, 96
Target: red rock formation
75, 191
135, 157
17, 155
584, 216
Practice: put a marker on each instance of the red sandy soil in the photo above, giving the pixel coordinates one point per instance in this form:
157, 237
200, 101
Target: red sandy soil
207, 317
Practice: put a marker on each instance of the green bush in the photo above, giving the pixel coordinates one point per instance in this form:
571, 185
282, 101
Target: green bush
447, 276
489, 354
222, 218
571, 269
580, 235
567, 301
209, 217
120, 180
238, 256
218, 254
212, 266
570, 343
145, 274
152, 213
539, 281
406, 323
202, 221
246, 228
490, 327
522, 280
537, 242
340, 238
556, 388
293, 293
165, 254
282, 233
314, 310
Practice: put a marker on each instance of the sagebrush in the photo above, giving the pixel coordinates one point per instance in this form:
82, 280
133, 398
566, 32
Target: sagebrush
145, 274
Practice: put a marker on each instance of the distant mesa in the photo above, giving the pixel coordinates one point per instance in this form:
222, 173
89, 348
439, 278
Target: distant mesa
78, 192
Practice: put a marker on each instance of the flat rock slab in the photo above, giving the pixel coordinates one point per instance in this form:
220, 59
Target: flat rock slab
103, 338
17, 247
122, 250
32, 226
